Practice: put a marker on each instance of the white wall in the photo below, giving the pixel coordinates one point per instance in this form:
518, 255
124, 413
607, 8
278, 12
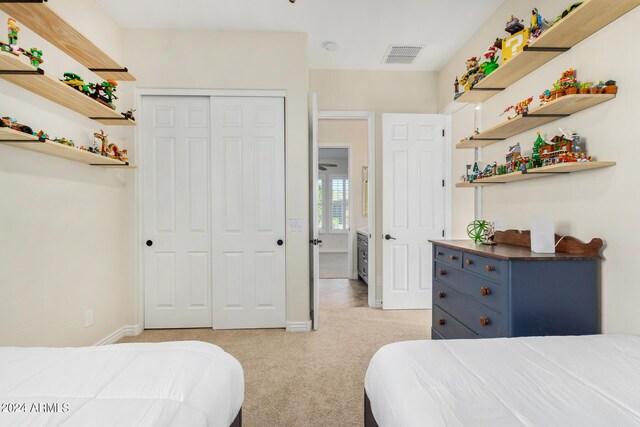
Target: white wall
243, 60
66, 227
380, 92
600, 203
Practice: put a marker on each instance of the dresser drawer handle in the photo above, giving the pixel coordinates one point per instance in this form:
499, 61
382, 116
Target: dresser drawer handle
453, 257
484, 321
489, 268
441, 322
441, 295
439, 253
485, 292
443, 272
468, 261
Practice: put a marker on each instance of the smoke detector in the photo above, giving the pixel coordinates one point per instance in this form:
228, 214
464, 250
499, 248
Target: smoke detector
401, 54
330, 46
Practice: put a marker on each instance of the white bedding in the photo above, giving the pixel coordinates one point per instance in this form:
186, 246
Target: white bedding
537, 381
183, 383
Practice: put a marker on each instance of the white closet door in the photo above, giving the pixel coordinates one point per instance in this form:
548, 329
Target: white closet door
177, 221
413, 206
248, 207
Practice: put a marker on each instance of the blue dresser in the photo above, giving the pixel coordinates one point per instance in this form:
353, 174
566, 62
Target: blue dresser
508, 291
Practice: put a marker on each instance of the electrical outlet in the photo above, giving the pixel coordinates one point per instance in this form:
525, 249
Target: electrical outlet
88, 318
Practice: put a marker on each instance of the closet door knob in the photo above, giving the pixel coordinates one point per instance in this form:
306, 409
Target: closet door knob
149, 242
280, 242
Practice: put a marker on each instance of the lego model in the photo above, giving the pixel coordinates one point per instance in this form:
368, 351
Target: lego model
491, 60
13, 31
76, 82
514, 25
104, 92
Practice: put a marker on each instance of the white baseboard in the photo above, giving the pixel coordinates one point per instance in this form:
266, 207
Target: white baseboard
125, 331
299, 326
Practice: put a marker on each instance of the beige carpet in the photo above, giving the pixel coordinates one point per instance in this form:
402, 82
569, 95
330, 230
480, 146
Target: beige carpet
308, 379
334, 265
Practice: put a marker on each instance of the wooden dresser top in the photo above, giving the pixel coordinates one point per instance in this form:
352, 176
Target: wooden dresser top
508, 252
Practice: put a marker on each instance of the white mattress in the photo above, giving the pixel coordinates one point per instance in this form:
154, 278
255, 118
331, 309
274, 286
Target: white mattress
184, 383
537, 381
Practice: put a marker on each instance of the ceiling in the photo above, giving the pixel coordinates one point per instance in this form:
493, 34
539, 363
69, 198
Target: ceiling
363, 29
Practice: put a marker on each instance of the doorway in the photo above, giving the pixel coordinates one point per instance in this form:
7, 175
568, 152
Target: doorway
334, 212
213, 211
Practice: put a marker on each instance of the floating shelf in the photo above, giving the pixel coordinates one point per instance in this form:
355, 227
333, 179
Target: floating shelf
29, 142
587, 19
45, 22
561, 168
551, 111
24, 75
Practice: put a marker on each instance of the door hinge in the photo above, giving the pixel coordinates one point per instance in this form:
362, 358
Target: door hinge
442, 233
442, 132
443, 182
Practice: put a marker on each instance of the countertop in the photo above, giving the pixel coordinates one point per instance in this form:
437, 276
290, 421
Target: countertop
508, 252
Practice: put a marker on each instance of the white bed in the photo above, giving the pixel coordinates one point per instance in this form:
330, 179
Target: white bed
183, 383
536, 381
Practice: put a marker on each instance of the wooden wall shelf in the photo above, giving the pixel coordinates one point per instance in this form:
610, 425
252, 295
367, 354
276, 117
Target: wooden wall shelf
587, 19
561, 168
13, 69
29, 142
45, 22
551, 111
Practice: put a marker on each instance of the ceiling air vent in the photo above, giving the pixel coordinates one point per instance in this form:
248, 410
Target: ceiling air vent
401, 54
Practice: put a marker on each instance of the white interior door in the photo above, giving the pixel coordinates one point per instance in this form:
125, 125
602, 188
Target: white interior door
177, 223
248, 207
413, 206
314, 291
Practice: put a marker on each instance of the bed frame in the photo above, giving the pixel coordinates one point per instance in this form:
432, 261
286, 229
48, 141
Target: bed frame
369, 420
238, 421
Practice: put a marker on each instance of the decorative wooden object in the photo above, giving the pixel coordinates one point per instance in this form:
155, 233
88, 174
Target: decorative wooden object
587, 19
45, 22
24, 75
565, 244
551, 111
29, 142
560, 168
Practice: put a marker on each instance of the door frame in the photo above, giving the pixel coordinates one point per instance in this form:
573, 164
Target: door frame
370, 117
351, 266
139, 93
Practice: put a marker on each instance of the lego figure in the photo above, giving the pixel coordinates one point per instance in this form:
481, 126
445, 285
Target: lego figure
537, 22
456, 86
35, 57
13, 31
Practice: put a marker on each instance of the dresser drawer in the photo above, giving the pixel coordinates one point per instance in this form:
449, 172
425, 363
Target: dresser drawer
448, 327
487, 292
481, 319
450, 256
492, 268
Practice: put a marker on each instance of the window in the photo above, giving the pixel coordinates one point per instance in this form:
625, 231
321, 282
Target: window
333, 203
339, 203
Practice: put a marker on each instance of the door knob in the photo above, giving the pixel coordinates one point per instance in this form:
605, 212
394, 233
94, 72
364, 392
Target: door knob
389, 237
149, 242
280, 242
